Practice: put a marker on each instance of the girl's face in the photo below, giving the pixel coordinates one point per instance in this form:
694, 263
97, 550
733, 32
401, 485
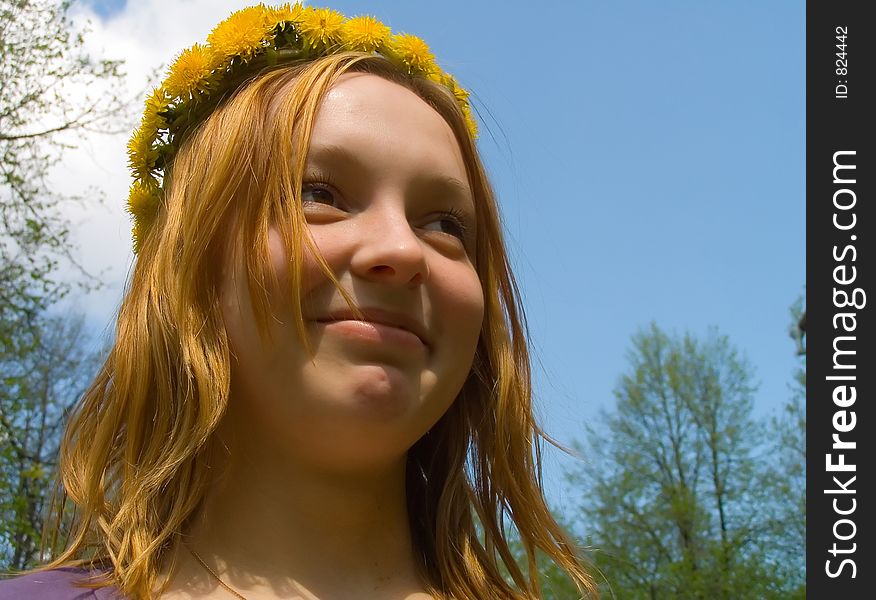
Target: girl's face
388, 204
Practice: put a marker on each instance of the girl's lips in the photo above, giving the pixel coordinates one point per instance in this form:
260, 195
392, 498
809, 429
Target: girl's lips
370, 331
380, 316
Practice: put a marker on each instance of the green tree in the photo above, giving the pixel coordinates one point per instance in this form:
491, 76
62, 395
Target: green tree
554, 583
789, 448
37, 393
673, 479
51, 93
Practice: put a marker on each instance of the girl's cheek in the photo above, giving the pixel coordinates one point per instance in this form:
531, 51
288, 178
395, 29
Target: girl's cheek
312, 275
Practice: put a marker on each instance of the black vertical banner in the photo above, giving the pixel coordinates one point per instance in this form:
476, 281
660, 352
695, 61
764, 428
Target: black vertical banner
840, 365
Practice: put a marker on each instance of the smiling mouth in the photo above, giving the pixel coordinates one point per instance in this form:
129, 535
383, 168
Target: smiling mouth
373, 331
370, 321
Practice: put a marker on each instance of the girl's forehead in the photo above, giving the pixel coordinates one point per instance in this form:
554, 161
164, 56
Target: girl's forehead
382, 121
370, 100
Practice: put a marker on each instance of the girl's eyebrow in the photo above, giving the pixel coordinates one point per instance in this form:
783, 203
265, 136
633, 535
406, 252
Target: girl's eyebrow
447, 184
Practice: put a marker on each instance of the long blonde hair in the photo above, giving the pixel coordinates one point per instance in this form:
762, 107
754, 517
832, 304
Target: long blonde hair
134, 452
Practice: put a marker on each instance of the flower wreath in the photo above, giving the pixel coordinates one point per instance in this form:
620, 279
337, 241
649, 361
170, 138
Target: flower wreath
201, 74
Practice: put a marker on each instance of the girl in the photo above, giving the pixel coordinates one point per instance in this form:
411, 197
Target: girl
320, 385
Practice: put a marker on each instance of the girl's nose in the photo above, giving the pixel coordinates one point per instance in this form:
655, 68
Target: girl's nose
389, 249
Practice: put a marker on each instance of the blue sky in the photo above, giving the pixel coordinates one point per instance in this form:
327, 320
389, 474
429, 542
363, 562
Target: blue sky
649, 161
106, 8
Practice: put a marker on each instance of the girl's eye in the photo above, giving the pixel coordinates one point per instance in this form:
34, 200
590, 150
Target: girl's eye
316, 193
450, 223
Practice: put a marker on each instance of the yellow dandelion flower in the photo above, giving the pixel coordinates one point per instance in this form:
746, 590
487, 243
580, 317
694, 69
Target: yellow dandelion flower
285, 13
138, 235
141, 154
461, 96
242, 34
439, 77
321, 27
414, 53
470, 121
156, 103
460, 93
143, 201
191, 72
152, 121
449, 81
365, 34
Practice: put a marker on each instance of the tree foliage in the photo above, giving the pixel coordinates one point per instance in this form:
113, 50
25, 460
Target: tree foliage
789, 447
554, 583
51, 93
37, 392
676, 477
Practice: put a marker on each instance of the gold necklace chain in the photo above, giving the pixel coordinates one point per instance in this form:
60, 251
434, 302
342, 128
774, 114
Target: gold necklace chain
215, 576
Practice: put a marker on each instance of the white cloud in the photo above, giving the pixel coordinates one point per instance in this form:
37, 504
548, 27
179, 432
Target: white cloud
146, 35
